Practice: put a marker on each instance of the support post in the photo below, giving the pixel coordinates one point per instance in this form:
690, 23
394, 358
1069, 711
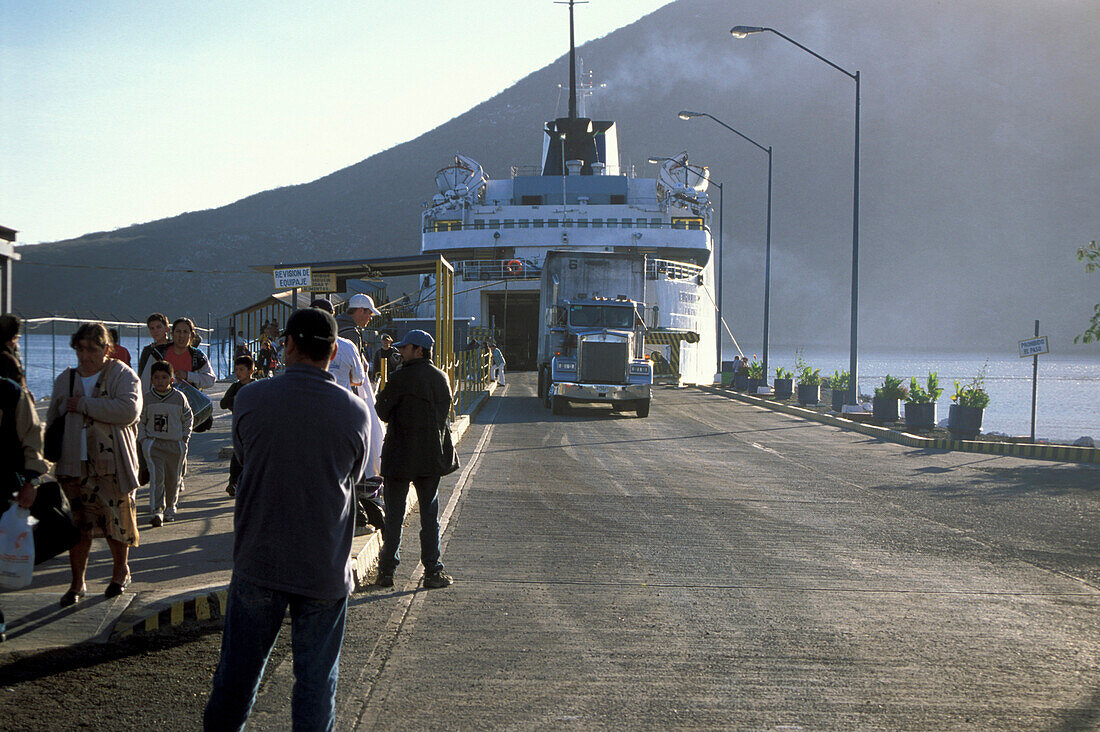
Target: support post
1034, 384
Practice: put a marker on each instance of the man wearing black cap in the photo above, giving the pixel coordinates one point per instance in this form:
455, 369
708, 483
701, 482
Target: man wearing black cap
303, 441
416, 404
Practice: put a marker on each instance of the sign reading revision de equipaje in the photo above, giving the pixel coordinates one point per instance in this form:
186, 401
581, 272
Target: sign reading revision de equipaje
293, 277
1034, 347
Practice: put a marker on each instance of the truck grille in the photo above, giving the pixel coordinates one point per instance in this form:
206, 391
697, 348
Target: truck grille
602, 363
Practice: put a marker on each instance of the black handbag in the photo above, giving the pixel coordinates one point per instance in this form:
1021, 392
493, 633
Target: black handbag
55, 531
55, 431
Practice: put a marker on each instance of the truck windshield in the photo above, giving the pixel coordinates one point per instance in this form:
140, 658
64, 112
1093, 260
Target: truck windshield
602, 316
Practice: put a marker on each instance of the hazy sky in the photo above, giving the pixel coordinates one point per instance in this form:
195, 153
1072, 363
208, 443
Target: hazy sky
123, 111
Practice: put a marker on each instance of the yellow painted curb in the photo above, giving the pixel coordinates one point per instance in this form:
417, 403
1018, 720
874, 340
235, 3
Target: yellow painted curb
1060, 453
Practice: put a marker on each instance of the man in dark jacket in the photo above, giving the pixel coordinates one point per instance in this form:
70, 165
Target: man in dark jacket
416, 404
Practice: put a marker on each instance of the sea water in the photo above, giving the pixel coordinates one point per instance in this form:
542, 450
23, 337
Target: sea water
1068, 403
1068, 396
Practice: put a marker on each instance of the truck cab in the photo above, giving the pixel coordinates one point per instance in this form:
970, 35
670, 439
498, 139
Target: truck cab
591, 348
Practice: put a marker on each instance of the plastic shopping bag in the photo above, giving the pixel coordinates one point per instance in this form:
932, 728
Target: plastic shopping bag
16, 548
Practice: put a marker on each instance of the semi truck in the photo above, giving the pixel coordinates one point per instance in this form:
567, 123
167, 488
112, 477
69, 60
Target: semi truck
592, 331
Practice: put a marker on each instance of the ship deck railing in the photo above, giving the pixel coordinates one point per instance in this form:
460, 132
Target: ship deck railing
497, 269
671, 270
687, 223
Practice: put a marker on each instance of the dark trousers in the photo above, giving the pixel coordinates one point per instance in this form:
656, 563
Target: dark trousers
253, 618
235, 469
396, 492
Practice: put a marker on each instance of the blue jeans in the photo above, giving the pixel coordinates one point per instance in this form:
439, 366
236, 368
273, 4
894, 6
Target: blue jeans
396, 492
253, 618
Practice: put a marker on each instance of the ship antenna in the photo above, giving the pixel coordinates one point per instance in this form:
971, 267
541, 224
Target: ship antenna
572, 58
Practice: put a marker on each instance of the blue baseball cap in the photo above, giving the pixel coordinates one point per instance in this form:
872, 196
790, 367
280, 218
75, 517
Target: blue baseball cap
416, 338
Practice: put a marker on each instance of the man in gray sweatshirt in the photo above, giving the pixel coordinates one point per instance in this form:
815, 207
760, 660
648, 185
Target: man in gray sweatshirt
303, 441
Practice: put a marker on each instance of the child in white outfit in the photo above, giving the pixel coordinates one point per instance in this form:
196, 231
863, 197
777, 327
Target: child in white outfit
163, 432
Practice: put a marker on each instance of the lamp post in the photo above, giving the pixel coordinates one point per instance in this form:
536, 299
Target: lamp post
741, 31
717, 259
685, 115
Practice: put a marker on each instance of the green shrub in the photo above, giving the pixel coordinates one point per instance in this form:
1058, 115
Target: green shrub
925, 394
782, 373
891, 388
755, 369
839, 381
972, 394
806, 375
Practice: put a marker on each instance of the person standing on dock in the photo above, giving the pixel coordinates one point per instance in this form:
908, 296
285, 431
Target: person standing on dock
416, 404
11, 364
303, 441
358, 315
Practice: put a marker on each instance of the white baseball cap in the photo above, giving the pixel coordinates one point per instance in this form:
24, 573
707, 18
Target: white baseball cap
363, 301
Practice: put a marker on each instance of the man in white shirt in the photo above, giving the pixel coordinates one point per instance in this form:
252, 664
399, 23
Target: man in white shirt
348, 369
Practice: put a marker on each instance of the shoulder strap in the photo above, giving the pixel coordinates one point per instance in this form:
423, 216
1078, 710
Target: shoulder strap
198, 358
72, 380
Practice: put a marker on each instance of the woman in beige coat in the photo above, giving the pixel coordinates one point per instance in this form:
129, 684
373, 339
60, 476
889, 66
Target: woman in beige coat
98, 465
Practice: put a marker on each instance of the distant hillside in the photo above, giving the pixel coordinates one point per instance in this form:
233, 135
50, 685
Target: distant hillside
980, 134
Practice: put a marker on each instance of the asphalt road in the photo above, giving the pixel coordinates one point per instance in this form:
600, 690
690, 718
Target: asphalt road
713, 566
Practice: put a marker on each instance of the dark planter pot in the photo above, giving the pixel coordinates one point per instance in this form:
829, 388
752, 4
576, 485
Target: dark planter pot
784, 388
964, 423
885, 409
752, 384
920, 416
741, 380
809, 394
839, 395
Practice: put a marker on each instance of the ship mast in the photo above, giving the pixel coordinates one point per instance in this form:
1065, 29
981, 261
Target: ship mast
572, 58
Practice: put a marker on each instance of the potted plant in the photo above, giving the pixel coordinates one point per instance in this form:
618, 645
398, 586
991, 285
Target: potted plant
964, 419
809, 381
740, 381
920, 409
886, 404
838, 382
784, 383
755, 371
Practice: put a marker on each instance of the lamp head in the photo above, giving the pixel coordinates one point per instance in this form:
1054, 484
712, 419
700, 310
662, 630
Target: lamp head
657, 161
740, 31
685, 115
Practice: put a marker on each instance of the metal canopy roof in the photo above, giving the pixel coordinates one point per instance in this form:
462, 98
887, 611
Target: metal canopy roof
368, 268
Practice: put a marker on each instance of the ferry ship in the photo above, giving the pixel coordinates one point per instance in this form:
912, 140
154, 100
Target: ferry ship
496, 233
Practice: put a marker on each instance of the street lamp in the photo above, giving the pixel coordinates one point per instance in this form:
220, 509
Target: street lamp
741, 31
717, 258
685, 115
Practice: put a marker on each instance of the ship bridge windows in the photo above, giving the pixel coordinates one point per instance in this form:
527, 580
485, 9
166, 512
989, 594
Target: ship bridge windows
523, 224
687, 223
447, 226
626, 223
551, 223
537, 223
612, 223
654, 223
582, 223
597, 223
509, 224
494, 223
479, 223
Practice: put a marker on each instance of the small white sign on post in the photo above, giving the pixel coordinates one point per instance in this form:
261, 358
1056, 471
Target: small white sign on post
322, 282
293, 278
1034, 347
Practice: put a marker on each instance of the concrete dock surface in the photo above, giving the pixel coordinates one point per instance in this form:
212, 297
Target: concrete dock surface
717, 565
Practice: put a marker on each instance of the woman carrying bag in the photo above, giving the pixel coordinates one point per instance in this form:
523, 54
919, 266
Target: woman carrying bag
98, 463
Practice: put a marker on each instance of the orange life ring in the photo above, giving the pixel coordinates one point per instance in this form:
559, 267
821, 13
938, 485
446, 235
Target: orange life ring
513, 267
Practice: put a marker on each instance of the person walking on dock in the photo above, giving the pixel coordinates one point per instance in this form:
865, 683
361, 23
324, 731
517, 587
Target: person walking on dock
416, 404
157, 323
163, 432
101, 402
303, 441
